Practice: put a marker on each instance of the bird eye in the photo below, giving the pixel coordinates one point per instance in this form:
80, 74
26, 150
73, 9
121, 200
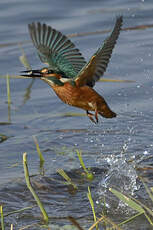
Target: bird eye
44, 70
50, 71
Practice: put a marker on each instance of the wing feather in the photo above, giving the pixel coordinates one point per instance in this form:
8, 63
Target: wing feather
56, 50
97, 65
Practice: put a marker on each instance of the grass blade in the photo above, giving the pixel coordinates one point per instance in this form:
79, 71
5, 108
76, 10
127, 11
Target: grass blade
18, 211
2, 218
127, 200
38, 150
74, 222
26, 173
147, 189
115, 80
8, 97
23, 59
67, 178
130, 219
92, 206
8, 89
14, 76
89, 175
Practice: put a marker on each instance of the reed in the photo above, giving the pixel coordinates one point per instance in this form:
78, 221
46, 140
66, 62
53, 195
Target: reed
27, 178
92, 206
88, 174
67, 178
41, 158
2, 218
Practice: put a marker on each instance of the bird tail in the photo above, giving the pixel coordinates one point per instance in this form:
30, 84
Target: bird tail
107, 112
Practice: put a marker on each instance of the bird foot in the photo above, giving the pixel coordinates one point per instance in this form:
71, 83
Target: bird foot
90, 115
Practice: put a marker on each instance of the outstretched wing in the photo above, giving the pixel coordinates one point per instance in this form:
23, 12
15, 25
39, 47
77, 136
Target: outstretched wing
56, 50
97, 65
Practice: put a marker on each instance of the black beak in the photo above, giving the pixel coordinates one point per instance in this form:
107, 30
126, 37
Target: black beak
31, 73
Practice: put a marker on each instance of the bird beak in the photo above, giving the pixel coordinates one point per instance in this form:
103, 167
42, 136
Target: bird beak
31, 73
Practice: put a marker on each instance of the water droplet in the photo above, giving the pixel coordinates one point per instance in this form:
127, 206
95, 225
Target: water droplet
121, 175
145, 152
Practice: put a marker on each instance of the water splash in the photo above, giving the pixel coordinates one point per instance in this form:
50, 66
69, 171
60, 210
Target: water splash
122, 176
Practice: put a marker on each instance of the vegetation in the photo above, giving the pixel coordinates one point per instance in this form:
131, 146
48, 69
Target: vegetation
102, 219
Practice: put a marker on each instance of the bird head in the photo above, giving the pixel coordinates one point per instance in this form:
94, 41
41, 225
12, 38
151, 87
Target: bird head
44, 72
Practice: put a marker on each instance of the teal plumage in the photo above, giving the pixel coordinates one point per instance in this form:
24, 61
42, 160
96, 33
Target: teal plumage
67, 73
57, 51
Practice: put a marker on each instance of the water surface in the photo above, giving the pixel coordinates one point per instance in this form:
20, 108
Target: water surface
42, 114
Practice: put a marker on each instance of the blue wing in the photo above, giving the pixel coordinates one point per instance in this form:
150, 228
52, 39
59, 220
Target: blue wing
97, 65
56, 50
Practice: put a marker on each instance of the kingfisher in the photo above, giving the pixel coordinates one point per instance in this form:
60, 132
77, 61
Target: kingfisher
68, 74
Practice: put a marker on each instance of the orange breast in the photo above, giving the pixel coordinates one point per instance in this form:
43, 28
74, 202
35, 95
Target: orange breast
83, 97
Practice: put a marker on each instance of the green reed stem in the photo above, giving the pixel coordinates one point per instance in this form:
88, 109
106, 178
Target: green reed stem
89, 175
2, 218
8, 90
26, 173
147, 189
130, 219
41, 158
92, 206
18, 211
67, 178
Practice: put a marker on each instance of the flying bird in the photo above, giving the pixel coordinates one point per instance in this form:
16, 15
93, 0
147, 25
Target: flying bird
68, 74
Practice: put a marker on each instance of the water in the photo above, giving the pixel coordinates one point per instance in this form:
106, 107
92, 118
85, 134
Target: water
43, 115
